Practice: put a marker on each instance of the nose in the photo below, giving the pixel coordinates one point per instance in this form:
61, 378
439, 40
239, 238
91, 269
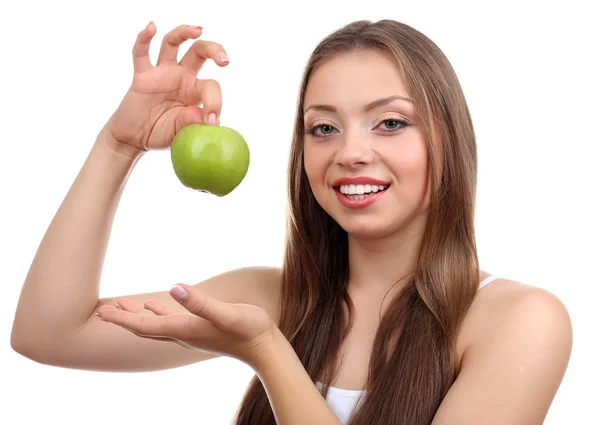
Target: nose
354, 151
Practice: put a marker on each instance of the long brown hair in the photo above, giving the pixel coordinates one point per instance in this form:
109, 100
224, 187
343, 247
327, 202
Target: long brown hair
413, 362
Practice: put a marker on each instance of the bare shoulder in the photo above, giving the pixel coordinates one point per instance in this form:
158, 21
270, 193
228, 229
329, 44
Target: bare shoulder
518, 309
513, 347
506, 302
529, 319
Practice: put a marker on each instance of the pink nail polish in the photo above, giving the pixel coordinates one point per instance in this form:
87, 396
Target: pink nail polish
179, 293
212, 118
223, 57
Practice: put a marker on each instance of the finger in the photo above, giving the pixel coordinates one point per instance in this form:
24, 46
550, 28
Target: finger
172, 41
143, 325
127, 305
159, 309
210, 93
172, 328
141, 57
201, 50
222, 315
189, 115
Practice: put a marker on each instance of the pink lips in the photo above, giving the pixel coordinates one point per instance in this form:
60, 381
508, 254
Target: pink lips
358, 203
359, 180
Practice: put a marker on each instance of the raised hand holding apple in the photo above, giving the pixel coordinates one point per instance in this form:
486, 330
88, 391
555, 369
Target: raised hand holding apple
165, 98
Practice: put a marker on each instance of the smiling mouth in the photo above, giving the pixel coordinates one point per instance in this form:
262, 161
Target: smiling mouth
360, 191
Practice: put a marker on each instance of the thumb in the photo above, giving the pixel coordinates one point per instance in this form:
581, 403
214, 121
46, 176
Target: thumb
189, 115
202, 305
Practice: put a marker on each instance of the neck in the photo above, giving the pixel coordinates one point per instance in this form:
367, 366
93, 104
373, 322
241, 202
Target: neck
378, 265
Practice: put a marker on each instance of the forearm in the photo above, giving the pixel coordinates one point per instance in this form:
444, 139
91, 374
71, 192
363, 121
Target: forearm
61, 288
294, 398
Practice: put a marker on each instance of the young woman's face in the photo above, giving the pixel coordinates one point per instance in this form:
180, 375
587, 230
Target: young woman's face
364, 153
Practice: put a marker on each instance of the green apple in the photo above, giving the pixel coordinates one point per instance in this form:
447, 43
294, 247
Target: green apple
210, 158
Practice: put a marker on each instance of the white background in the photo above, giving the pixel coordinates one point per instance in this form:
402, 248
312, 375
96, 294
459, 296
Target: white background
530, 74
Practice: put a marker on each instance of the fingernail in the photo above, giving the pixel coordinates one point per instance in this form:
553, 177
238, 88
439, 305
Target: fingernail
149, 23
179, 293
197, 26
118, 306
212, 118
223, 56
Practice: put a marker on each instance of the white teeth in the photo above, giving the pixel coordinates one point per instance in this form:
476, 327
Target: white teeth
359, 189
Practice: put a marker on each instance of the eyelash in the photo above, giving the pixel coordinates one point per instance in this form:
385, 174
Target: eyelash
401, 124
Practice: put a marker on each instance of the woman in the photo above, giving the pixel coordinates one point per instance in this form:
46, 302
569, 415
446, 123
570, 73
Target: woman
378, 315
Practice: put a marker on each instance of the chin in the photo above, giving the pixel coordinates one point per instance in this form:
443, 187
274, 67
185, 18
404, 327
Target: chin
365, 228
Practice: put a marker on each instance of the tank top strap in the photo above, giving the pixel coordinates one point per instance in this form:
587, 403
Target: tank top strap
486, 281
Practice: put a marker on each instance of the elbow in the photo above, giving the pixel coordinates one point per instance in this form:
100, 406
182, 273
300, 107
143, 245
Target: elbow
21, 344
21, 337
32, 352
26, 345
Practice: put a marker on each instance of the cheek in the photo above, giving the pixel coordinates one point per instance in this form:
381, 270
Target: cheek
412, 171
420, 176
313, 165
412, 165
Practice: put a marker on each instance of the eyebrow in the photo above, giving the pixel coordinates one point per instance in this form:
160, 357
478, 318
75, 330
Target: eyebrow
372, 105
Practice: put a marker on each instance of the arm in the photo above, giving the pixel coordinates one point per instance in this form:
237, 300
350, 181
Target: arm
512, 370
240, 331
54, 321
61, 289
294, 398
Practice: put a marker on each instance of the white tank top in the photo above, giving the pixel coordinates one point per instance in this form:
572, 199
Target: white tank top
343, 402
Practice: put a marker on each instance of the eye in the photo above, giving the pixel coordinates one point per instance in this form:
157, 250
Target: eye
325, 130
389, 125
392, 124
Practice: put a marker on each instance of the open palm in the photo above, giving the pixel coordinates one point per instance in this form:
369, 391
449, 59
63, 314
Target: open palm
242, 331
